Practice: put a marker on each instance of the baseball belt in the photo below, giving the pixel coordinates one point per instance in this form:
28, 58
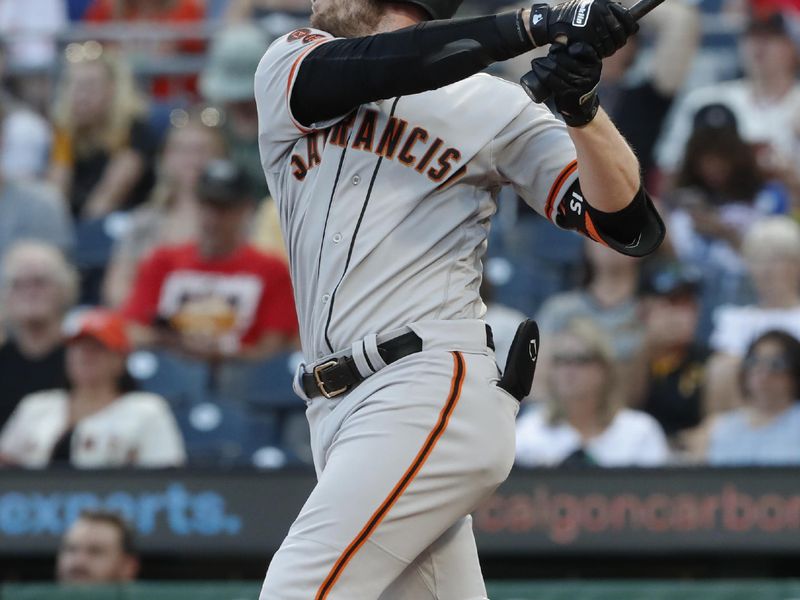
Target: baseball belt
334, 377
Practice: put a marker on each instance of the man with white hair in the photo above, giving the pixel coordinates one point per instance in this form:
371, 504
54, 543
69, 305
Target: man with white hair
37, 288
771, 250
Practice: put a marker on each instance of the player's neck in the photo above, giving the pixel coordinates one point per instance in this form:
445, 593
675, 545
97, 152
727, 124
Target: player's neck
398, 15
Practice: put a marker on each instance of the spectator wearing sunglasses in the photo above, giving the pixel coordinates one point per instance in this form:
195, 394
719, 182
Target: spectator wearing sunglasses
583, 422
766, 430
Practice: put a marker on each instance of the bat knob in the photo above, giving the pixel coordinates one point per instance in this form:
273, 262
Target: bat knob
534, 87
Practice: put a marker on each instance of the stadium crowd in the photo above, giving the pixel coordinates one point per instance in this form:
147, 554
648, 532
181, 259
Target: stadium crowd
146, 310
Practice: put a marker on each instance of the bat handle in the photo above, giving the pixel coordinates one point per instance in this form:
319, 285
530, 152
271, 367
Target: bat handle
534, 86
536, 89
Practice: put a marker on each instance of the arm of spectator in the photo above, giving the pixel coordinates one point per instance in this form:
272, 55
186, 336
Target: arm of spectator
117, 281
141, 306
677, 26
722, 391
119, 178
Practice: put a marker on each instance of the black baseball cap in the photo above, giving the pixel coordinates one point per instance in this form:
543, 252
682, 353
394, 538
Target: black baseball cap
224, 183
672, 279
716, 116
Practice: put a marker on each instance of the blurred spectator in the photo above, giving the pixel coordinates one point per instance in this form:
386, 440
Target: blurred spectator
38, 287
766, 430
103, 144
672, 363
217, 297
98, 548
608, 298
31, 210
163, 13
772, 251
170, 215
99, 420
583, 421
227, 82
29, 30
637, 101
24, 141
766, 102
721, 192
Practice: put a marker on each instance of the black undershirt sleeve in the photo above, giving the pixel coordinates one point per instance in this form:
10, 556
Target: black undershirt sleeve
340, 75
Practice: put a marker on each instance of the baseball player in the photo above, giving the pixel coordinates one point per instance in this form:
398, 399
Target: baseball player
385, 149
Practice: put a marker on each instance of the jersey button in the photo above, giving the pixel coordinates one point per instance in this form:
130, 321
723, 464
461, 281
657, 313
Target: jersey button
325, 298
337, 237
356, 179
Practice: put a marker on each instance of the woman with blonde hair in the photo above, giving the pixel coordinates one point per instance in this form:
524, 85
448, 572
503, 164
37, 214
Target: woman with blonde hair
584, 421
169, 216
102, 144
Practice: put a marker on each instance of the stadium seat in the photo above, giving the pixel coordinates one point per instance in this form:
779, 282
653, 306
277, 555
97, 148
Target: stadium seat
178, 379
265, 385
215, 432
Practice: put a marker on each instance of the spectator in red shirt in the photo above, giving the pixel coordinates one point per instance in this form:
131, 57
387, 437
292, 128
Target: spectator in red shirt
217, 297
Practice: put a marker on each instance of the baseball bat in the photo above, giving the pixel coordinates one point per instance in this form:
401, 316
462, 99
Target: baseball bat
539, 92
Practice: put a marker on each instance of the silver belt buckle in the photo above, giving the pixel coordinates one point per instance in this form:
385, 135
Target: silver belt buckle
321, 384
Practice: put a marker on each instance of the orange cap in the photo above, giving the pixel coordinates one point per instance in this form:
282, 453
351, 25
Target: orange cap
105, 326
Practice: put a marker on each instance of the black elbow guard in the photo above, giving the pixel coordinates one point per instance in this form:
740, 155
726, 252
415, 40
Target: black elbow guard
636, 230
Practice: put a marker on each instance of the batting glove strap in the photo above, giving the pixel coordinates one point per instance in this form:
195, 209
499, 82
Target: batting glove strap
603, 24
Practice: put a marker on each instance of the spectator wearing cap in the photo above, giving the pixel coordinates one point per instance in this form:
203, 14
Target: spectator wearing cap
227, 82
217, 297
721, 191
38, 287
672, 363
765, 101
771, 250
583, 420
99, 420
766, 429
170, 214
98, 548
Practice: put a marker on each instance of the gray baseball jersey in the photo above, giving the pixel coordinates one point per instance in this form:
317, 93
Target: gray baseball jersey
385, 212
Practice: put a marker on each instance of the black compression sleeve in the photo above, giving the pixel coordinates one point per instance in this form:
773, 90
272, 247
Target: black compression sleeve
408, 61
636, 230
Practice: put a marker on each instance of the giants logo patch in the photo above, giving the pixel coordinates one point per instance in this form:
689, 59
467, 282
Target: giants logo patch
582, 13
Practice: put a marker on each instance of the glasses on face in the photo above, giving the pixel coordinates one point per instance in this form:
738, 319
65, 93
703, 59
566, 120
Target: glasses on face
773, 364
575, 360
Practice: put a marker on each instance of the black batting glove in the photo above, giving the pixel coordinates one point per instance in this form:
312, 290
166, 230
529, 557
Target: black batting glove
603, 24
572, 74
